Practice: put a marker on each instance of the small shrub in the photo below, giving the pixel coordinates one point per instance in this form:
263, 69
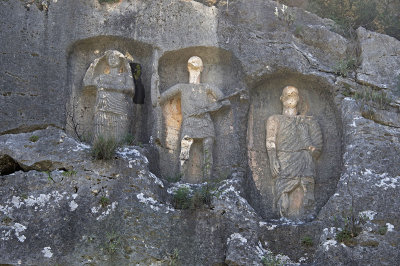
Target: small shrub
49, 177
69, 173
174, 258
104, 201
369, 243
344, 236
6, 220
129, 139
206, 194
367, 112
113, 243
270, 260
181, 198
174, 179
350, 229
108, 1
369, 96
34, 138
347, 91
307, 241
344, 66
104, 149
299, 30
382, 230
284, 14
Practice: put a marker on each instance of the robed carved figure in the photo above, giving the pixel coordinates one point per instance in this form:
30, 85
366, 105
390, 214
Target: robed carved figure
112, 78
293, 143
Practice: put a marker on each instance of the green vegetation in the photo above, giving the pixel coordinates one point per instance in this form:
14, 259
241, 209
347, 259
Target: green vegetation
369, 96
183, 199
376, 15
174, 179
104, 149
285, 15
299, 30
34, 138
307, 241
351, 228
113, 243
174, 258
344, 66
6, 220
270, 260
129, 139
108, 1
69, 173
49, 177
104, 201
383, 230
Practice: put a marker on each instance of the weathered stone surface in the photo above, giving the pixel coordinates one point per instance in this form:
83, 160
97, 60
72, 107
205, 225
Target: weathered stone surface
370, 179
380, 59
73, 210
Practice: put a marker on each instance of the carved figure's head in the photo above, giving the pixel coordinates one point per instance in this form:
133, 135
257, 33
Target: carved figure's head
195, 64
290, 97
195, 67
113, 58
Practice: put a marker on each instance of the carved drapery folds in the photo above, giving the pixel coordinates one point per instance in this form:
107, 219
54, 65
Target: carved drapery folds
111, 77
293, 143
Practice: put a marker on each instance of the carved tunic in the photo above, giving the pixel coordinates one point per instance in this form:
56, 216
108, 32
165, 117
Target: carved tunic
197, 101
295, 134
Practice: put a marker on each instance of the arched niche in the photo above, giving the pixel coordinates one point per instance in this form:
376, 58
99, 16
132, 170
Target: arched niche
222, 70
315, 100
80, 109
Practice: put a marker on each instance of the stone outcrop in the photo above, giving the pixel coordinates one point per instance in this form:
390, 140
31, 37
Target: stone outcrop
380, 60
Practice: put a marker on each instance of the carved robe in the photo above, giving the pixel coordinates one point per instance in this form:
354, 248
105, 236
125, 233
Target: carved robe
114, 92
113, 105
294, 136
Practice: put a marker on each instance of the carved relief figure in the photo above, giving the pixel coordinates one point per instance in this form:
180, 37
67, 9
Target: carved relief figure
197, 102
112, 78
293, 143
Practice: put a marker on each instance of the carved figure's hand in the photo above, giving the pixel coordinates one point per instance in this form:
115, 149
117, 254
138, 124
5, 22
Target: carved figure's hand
275, 167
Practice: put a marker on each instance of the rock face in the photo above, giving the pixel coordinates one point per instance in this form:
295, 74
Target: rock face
60, 206
380, 60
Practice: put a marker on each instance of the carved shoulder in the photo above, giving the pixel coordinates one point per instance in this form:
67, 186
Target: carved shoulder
215, 91
170, 93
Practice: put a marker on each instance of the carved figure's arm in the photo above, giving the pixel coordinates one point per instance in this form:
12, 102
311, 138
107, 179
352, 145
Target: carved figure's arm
216, 92
218, 95
272, 130
170, 93
129, 87
316, 138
